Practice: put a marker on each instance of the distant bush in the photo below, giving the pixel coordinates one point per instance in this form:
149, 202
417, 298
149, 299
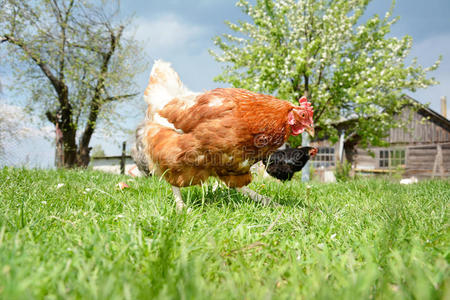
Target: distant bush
342, 171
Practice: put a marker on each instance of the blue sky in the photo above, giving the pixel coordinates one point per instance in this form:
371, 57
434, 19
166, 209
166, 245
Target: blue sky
181, 31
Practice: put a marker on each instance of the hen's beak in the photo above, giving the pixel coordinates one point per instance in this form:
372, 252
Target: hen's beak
310, 130
313, 152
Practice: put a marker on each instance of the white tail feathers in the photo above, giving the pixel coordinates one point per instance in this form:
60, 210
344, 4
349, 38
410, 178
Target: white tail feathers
164, 85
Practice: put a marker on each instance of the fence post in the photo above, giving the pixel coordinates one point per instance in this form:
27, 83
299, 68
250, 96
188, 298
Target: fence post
341, 146
305, 170
122, 159
438, 162
59, 143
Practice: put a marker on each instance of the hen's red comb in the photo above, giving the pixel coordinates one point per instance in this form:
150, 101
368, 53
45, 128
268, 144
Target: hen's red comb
305, 104
303, 101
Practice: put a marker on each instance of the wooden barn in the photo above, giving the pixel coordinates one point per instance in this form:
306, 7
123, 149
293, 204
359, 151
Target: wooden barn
422, 149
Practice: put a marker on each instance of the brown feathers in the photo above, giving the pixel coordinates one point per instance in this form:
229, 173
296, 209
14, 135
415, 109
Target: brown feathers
223, 132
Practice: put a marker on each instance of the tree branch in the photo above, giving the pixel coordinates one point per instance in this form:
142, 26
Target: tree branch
51, 116
56, 11
322, 109
62, 21
319, 79
57, 84
115, 98
306, 78
96, 99
86, 47
350, 137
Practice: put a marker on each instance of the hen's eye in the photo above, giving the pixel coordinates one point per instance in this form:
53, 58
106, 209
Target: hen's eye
303, 115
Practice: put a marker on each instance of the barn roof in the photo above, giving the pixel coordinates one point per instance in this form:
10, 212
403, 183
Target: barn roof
432, 115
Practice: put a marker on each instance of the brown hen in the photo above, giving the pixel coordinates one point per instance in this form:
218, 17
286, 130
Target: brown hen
187, 137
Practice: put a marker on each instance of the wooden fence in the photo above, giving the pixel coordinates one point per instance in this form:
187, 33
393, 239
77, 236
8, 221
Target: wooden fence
113, 164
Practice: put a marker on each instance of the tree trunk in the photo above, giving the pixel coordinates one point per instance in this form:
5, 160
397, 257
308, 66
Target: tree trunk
350, 151
68, 130
59, 145
70, 148
83, 156
65, 133
67, 155
350, 147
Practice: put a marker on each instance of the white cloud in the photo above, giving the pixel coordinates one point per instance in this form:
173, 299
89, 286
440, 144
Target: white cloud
183, 43
168, 33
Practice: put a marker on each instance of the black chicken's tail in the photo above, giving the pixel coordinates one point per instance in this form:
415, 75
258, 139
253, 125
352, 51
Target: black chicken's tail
138, 151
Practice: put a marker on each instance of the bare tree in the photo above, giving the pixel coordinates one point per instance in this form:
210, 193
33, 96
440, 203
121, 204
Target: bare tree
74, 60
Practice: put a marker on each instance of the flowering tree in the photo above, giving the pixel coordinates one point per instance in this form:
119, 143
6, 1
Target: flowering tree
350, 70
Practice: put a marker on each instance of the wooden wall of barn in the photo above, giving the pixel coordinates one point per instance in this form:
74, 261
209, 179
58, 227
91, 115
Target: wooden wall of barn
364, 160
369, 159
421, 161
419, 130
426, 129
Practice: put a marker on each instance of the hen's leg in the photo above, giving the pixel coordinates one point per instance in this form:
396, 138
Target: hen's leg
178, 200
264, 200
234, 181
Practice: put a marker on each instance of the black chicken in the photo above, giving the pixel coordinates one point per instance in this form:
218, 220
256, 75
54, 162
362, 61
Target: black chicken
138, 153
283, 164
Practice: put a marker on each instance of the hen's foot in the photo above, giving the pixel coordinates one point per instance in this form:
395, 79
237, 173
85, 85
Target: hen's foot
264, 200
178, 200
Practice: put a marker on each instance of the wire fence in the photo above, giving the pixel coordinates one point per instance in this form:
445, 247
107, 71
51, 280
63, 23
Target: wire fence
35, 152
27, 152
22, 141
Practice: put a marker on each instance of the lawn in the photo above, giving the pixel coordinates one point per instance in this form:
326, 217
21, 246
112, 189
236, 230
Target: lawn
74, 234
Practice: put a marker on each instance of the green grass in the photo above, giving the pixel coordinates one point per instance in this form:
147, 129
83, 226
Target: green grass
87, 239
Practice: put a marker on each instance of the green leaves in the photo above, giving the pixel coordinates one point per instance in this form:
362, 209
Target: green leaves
350, 68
